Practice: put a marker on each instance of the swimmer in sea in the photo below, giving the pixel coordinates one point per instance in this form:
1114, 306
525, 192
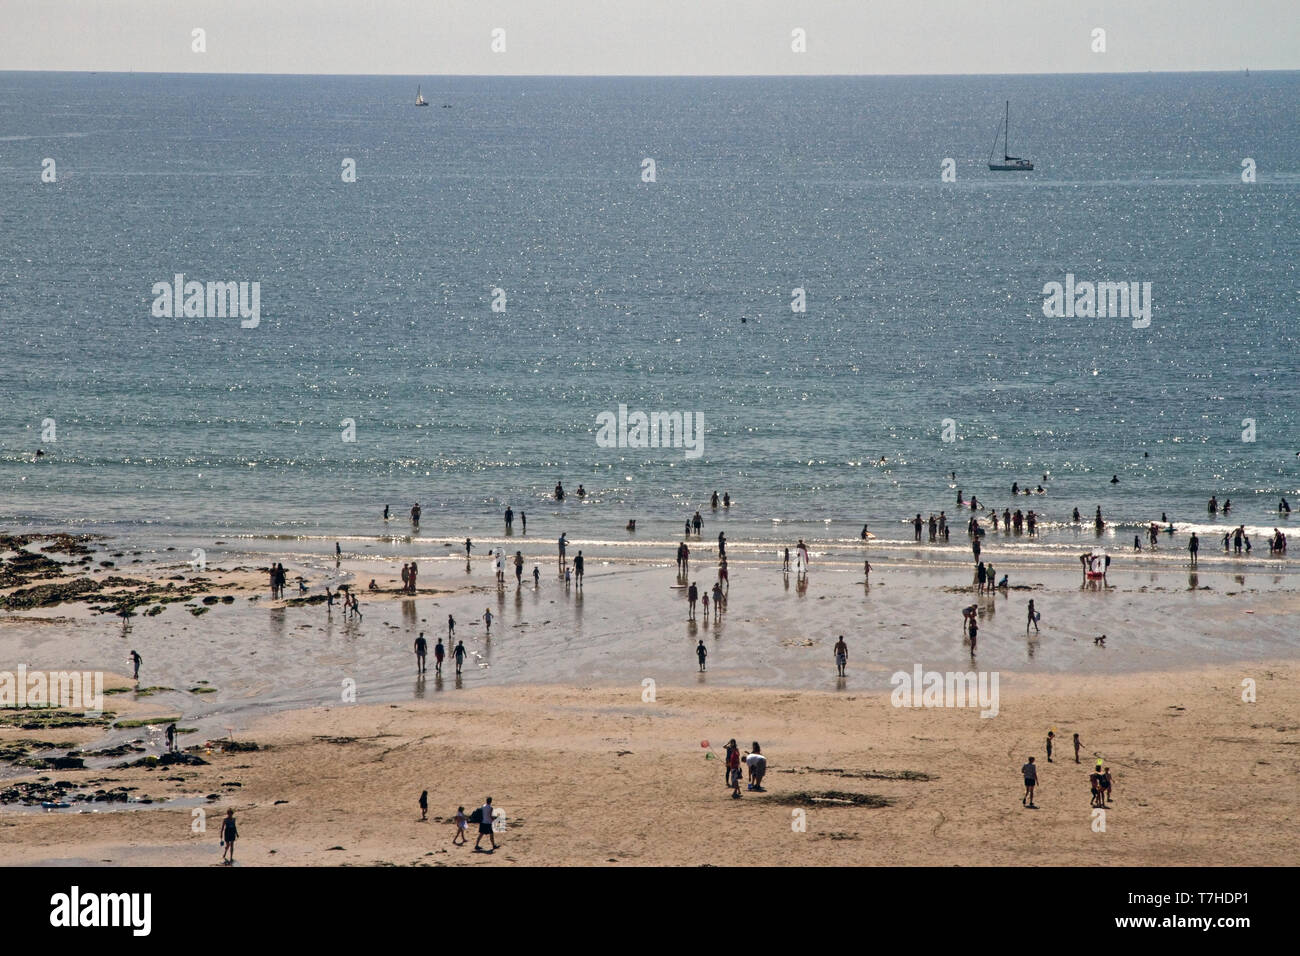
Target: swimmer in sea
1114, 479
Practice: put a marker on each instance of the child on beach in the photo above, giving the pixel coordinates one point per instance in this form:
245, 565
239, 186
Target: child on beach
462, 827
705, 601
701, 652
424, 806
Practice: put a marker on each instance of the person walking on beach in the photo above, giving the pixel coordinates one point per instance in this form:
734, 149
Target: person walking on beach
1106, 785
1078, 745
412, 575
439, 652
451, 628
468, 544
406, 578
424, 806
692, 595
841, 656
866, 570
519, 568
785, 565
171, 737
462, 825
537, 578
136, 661
485, 825
1051, 735
578, 566
701, 652
501, 568
421, 653
487, 619
459, 653
973, 631
1033, 618
704, 603
229, 834
1030, 773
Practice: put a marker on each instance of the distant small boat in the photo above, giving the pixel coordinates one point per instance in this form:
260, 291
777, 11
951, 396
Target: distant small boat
419, 98
1009, 163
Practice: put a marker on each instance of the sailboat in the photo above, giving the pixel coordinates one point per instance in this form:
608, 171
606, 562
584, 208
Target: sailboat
419, 98
1009, 162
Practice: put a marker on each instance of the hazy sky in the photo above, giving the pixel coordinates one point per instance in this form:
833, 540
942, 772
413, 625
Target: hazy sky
430, 37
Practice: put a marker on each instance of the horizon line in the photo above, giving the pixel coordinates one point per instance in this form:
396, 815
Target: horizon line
653, 76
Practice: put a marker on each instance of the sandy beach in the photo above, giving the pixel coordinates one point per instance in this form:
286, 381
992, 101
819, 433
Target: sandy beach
583, 714
594, 775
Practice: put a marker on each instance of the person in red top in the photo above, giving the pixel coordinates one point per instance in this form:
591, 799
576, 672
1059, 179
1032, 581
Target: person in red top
733, 768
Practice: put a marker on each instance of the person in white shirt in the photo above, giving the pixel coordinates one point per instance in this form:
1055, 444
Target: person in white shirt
757, 764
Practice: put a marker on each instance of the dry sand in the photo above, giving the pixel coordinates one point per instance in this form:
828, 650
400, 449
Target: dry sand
596, 776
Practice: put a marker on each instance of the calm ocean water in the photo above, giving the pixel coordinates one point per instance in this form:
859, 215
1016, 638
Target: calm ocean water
924, 299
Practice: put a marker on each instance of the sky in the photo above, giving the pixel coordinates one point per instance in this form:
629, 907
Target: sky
653, 37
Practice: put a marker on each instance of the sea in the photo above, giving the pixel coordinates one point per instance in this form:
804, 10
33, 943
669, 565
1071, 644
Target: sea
823, 272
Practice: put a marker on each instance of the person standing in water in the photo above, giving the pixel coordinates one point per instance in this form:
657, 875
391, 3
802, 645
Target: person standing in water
487, 619
421, 652
1033, 618
519, 568
523, 518
1193, 546
439, 652
701, 652
136, 661
692, 595
841, 656
459, 653
579, 565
